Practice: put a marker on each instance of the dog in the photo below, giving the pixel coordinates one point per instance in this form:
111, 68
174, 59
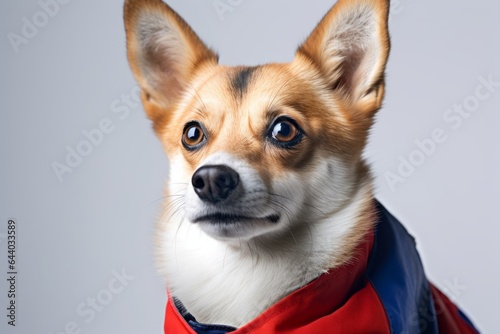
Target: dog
270, 224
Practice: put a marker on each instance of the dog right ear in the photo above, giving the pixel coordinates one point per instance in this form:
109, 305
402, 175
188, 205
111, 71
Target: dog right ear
350, 47
163, 52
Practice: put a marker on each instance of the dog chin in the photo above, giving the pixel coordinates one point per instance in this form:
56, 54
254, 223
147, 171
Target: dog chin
232, 227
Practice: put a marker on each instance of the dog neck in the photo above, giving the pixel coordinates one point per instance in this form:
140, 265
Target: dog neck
233, 284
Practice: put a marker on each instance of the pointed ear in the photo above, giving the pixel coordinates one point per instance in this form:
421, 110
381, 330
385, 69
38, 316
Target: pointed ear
350, 46
163, 52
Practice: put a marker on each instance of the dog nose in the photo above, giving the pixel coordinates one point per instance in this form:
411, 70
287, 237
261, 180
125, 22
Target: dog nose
215, 183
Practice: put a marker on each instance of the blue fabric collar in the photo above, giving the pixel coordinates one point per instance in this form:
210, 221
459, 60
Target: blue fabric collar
198, 327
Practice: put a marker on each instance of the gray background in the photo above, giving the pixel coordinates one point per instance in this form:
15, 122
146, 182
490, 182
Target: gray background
73, 234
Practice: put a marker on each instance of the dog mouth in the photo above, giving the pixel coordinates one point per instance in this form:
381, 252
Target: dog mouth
228, 219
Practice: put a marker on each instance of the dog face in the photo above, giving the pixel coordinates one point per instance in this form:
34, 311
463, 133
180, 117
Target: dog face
256, 152
254, 159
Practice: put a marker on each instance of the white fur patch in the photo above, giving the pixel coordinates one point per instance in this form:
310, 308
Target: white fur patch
232, 282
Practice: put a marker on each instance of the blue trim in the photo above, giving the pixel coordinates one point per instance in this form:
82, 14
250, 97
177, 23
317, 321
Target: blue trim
198, 327
397, 275
209, 329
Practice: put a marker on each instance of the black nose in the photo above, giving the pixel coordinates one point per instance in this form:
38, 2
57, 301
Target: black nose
215, 183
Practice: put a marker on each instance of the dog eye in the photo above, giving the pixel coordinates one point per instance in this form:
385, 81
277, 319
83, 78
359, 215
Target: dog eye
285, 132
193, 136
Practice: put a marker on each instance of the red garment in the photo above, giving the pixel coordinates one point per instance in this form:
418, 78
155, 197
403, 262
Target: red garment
384, 290
326, 303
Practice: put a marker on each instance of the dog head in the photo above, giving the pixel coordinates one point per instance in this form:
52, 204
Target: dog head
257, 151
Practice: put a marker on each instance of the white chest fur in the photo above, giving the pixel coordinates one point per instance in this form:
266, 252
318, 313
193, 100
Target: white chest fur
233, 284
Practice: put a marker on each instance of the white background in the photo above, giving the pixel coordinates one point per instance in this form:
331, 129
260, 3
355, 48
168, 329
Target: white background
74, 233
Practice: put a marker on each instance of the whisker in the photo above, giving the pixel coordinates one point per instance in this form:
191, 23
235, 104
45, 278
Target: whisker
165, 197
178, 201
281, 206
179, 208
291, 233
315, 208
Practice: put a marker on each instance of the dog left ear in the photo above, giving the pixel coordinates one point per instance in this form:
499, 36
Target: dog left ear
163, 52
350, 47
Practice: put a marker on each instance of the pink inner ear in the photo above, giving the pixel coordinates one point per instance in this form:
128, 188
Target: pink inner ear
162, 55
162, 74
165, 52
349, 70
350, 46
